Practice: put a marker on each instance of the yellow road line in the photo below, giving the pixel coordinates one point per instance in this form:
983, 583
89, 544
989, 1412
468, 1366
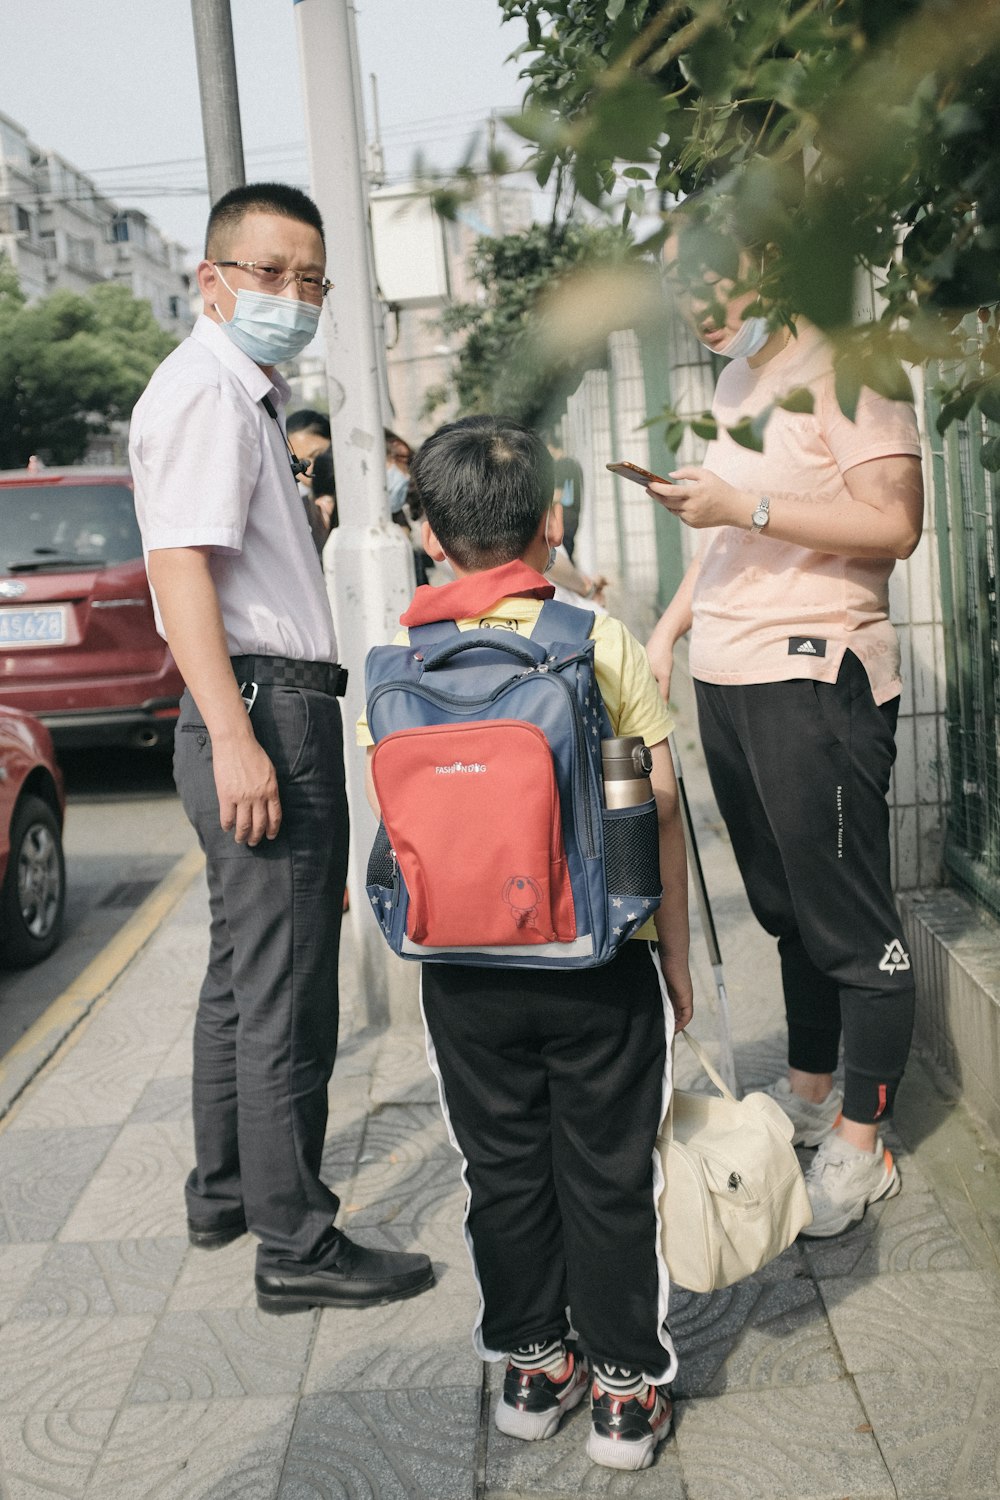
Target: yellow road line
30, 1054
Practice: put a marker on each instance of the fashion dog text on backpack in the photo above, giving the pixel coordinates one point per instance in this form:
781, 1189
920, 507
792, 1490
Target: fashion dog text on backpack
495, 847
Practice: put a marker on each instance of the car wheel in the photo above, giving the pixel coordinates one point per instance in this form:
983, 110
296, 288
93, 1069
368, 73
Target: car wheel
34, 890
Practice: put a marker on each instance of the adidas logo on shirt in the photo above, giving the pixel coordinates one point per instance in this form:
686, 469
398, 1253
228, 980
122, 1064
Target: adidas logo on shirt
807, 648
806, 645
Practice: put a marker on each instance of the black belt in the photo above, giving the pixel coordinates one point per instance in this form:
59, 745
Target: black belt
283, 671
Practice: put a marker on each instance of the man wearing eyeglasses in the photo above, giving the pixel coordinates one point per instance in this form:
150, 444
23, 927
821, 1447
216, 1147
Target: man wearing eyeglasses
241, 600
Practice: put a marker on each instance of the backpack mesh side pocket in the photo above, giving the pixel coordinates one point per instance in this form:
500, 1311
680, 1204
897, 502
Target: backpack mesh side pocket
632, 850
381, 865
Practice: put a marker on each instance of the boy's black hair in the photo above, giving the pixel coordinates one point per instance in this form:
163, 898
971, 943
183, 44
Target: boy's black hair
307, 420
484, 483
257, 198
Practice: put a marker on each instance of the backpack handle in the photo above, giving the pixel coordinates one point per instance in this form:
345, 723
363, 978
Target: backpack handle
523, 648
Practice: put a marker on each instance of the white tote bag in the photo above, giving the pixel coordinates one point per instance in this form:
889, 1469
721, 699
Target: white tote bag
734, 1195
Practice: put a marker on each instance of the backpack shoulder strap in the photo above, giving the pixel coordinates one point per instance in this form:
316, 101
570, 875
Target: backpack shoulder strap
431, 635
562, 622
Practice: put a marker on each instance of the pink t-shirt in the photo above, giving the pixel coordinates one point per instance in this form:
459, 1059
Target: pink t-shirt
766, 610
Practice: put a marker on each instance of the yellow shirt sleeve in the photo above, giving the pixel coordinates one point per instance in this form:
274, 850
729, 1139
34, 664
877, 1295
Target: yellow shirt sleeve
627, 684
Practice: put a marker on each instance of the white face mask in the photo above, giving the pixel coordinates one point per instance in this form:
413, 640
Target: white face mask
749, 339
269, 329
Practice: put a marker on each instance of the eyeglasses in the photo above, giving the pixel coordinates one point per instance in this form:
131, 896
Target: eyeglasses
275, 278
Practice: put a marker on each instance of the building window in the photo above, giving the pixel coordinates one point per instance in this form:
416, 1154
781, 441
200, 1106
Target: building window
23, 220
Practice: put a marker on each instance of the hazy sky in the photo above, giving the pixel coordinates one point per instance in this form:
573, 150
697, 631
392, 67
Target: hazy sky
112, 86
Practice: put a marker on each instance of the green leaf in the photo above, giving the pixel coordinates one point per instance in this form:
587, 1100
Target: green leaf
989, 455
615, 8
744, 433
801, 399
955, 410
988, 401
705, 427
627, 120
779, 79
711, 62
847, 384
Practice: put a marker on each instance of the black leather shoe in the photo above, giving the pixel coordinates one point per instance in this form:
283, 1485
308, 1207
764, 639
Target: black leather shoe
206, 1237
356, 1277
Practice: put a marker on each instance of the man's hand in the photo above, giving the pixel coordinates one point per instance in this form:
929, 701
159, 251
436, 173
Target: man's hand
700, 498
247, 788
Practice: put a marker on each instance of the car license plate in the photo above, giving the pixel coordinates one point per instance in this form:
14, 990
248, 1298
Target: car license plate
32, 627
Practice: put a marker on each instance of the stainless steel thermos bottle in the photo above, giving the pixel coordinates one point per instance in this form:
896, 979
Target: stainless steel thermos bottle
627, 764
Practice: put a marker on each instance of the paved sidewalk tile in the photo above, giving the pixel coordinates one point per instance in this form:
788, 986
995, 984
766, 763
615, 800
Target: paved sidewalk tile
424, 1342
384, 1445
196, 1450
939, 1431
800, 1443
104, 1277
138, 1190
754, 1334
43, 1173
219, 1353
905, 1324
70, 1363
44, 1453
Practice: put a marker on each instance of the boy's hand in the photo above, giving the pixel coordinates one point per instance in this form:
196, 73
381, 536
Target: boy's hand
680, 991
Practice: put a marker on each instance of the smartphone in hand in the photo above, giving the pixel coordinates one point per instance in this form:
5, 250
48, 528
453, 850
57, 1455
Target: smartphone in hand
637, 475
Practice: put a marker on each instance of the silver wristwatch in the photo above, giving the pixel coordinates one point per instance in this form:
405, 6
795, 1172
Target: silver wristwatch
761, 515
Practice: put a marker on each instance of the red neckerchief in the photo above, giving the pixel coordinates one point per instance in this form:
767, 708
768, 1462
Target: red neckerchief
475, 594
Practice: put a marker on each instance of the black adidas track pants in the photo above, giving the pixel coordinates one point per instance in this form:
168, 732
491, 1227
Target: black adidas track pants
800, 771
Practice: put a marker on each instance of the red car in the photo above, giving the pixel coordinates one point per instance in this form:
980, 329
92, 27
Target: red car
78, 646
32, 870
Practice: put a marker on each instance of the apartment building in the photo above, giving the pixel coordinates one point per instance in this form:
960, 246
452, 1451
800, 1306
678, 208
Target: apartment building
60, 232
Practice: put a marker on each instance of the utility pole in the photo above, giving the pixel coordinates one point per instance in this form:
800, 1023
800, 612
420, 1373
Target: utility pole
220, 100
368, 560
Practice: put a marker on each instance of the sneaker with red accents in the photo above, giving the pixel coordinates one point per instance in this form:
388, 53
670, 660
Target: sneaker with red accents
843, 1180
543, 1381
628, 1418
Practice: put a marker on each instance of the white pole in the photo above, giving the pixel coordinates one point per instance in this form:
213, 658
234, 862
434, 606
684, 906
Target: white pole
368, 561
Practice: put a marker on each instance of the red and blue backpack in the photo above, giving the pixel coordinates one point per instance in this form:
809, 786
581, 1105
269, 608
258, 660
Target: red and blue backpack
494, 846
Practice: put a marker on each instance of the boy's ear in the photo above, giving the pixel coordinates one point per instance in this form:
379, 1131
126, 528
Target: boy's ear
430, 543
553, 524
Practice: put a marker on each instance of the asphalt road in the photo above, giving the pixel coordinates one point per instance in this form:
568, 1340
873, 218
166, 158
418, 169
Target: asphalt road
125, 829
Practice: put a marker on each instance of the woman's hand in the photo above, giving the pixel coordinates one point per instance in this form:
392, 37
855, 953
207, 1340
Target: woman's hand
700, 498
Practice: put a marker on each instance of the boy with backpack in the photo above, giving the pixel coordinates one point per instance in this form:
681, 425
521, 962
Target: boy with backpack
553, 1080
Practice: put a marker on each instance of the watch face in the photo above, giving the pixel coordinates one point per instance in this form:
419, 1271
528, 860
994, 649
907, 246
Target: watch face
760, 515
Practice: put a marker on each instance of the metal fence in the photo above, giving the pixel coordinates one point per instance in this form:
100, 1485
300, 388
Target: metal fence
968, 531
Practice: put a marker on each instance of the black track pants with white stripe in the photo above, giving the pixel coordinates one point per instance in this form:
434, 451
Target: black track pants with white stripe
553, 1083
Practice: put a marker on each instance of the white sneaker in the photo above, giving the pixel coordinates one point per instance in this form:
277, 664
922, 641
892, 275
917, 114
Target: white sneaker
843, 1180
542, 1383
813, 1122
626, 1428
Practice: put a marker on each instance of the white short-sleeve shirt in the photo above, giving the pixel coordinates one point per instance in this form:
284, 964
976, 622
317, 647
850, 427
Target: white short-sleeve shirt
210, 469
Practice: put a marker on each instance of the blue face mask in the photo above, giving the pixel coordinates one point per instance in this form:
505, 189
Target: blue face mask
749, 339
269, 329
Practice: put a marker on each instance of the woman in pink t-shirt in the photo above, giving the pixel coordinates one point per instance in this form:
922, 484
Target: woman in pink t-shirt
796, 670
